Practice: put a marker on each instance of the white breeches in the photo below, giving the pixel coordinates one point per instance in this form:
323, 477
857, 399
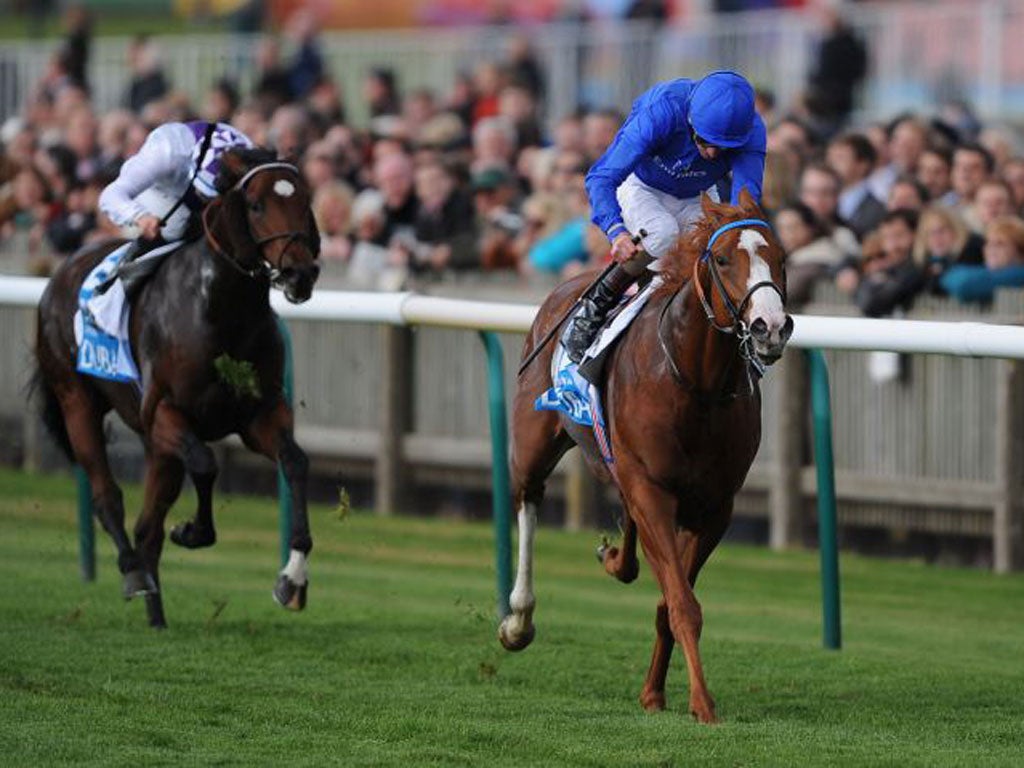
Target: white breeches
662, 216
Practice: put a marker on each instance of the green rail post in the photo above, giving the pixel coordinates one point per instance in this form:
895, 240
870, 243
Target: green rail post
501, 500
821, 408
86, 527
284, 492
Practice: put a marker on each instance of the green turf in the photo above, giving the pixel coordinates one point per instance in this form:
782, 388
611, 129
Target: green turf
395, 661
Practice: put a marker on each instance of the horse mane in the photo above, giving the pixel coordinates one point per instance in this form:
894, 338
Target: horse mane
250, 158
677, 264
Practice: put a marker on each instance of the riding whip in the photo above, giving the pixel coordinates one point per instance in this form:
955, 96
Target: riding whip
568, 313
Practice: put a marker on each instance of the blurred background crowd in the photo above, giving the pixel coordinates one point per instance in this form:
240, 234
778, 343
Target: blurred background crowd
486, 175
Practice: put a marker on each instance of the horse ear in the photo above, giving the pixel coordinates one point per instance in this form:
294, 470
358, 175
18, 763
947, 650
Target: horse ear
233, 166
747, 201
711, 209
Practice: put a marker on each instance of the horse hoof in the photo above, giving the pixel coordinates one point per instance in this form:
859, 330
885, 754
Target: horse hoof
191, 536
137, 583
513, 641
290, 595
652, 701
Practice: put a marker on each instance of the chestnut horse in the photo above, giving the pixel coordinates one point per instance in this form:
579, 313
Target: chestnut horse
684, 418
204, 310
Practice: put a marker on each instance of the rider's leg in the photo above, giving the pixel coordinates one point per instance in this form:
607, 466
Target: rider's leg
643, 208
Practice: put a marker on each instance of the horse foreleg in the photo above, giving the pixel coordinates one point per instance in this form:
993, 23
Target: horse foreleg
84, 424
201, 465
621, 562
666, 549
517, 630
271, 434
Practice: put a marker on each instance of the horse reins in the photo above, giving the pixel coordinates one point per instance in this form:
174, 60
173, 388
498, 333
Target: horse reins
264, 267
739, 327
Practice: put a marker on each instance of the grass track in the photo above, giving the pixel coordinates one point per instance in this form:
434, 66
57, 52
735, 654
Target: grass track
396, 662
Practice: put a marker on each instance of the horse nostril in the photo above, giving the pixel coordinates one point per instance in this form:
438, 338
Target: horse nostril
787, 328
759, 329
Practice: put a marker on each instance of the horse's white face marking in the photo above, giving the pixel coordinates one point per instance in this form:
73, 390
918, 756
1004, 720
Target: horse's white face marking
296, 570
764, 302
284, 188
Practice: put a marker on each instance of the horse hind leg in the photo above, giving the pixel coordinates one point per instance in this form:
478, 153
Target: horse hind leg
84, 423
652, 697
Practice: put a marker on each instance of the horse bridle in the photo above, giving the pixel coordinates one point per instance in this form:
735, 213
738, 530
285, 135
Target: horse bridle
264, 267
739, 326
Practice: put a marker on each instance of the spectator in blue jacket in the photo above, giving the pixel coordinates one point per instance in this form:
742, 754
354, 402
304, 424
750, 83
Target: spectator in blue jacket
681, 139
1003, 268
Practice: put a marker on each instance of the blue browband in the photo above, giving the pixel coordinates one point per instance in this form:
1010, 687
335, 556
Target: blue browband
732, 225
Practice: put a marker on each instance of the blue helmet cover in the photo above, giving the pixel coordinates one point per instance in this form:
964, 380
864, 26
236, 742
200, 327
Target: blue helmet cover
722, 109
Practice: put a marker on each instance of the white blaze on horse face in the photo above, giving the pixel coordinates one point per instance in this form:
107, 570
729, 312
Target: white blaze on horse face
764, 302
284, 188
296, 570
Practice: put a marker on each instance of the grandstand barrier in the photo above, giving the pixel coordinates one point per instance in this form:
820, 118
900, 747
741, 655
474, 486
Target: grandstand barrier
812, 333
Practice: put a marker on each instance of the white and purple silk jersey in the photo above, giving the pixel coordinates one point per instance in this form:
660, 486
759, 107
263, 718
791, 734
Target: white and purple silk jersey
151, 181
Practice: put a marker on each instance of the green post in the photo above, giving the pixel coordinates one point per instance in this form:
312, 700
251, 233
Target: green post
501, 500
284, 492
821, 408
86, 527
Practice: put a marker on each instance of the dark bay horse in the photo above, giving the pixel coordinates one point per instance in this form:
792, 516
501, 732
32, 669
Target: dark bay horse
684, 418
210, 357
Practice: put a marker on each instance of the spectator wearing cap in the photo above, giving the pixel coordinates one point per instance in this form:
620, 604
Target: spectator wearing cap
853, 157
498, 222
1003, 266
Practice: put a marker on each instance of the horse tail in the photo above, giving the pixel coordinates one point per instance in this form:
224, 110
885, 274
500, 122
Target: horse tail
53, 416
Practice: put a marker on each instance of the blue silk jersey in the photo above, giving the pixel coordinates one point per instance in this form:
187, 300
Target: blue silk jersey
656, 143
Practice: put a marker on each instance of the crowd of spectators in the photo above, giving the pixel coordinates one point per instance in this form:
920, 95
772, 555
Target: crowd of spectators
478, 178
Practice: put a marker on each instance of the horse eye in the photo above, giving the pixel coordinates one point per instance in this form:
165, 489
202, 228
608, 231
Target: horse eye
722, 261
256, 206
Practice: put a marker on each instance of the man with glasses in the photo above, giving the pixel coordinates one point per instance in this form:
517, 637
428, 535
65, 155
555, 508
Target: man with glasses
680, 140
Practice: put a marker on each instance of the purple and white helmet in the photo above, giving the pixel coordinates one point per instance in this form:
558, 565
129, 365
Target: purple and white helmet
224, 138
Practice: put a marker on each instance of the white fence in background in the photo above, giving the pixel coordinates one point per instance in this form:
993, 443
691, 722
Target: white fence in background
921, 53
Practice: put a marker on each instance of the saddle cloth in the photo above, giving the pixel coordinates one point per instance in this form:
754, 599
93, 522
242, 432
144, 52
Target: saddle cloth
574, 395
101, 321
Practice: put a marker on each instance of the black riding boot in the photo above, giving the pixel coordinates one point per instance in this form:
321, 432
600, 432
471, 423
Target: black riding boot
594, 309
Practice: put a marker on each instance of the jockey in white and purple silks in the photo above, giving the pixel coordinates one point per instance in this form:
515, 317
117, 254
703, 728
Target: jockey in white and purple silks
166, 169
680, 139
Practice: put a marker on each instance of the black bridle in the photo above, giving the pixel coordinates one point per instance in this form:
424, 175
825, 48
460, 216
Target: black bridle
739, 327
264, 267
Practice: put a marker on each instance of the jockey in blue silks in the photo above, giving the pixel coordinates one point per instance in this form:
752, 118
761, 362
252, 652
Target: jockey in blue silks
681, 138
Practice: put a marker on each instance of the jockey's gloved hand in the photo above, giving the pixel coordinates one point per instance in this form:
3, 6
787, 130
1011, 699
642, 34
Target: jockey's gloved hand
624, 247
149, 226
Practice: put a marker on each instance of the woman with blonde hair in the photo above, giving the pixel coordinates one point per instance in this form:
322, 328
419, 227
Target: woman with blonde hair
943, 239
1003, 267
